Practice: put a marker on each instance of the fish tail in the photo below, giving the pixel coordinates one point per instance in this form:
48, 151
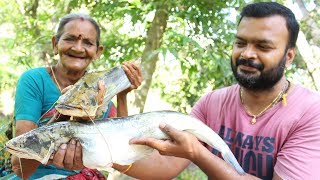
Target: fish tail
230, 159
208, 136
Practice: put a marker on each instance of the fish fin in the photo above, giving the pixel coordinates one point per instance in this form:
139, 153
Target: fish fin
50, 151
230, 159
214, 140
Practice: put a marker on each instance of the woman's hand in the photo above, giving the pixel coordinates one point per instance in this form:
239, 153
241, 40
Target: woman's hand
134, 74
68, 156
182, 144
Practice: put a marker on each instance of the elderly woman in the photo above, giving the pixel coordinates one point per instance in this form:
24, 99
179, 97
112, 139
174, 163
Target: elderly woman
77, 44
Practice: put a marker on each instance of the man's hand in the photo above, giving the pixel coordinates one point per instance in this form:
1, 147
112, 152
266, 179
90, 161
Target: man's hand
183, 144
68, 156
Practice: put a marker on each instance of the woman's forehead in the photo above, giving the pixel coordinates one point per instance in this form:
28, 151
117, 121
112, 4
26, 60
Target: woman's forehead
80, 28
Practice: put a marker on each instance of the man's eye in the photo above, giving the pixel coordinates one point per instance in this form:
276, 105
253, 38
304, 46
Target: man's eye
263, 47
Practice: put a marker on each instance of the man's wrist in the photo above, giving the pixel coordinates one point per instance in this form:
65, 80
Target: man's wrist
198, 153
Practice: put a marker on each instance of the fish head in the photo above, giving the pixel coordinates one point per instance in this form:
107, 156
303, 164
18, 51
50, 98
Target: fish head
18, 147
82, 111
81, 99
38, 144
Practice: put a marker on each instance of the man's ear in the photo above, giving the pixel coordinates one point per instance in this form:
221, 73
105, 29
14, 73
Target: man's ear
99, 52
291, 53
54, 43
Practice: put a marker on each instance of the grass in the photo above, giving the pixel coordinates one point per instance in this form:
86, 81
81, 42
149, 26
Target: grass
192, 172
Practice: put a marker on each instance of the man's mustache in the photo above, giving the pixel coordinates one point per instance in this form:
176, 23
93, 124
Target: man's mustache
250, 63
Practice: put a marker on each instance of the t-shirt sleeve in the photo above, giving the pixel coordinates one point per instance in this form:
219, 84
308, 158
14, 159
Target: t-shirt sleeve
28, 101
199, 109
299, 157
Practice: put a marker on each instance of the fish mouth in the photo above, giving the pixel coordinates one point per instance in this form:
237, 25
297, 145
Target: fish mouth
22, 154
72, 110
63, 106
12, 150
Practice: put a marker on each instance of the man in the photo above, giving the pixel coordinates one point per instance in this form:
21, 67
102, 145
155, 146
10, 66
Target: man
271, 125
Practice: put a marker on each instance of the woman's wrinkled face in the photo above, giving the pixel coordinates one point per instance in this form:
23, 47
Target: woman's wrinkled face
77, 46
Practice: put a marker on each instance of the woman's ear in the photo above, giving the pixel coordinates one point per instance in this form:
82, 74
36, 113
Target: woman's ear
99, 52
54, 45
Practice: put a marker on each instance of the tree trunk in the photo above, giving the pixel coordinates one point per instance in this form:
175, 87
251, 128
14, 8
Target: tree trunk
150, 53
304, 46
309, 58
313, 28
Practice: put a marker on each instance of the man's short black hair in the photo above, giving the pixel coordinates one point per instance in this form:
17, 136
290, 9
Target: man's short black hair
267, 9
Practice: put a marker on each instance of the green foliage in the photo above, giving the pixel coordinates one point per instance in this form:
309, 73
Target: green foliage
192, 173
201, 41
4, 155
199, 35
190, 21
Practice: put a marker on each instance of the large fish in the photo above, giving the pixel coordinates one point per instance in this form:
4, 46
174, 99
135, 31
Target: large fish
81, 99
107, 141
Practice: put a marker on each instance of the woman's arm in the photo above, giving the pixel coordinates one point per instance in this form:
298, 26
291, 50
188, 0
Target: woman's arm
155, 166
133, 72
122, 106
68, 156
24, 168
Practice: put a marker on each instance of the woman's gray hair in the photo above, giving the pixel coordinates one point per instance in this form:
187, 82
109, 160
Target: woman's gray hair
73, 16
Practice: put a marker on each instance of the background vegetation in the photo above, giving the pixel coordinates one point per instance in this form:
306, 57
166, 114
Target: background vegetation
184, 45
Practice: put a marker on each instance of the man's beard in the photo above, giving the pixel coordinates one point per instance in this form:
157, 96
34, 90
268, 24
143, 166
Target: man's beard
267, 78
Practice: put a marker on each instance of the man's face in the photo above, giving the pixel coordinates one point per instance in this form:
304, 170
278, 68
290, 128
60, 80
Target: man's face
77, 46
259, 52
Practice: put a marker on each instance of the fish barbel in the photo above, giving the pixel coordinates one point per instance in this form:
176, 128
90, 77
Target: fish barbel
110, 142
81, 99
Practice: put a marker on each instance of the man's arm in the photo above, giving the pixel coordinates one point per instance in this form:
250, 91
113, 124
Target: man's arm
214, 167
185, 145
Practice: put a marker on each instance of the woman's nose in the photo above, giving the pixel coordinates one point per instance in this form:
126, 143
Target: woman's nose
78, 46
